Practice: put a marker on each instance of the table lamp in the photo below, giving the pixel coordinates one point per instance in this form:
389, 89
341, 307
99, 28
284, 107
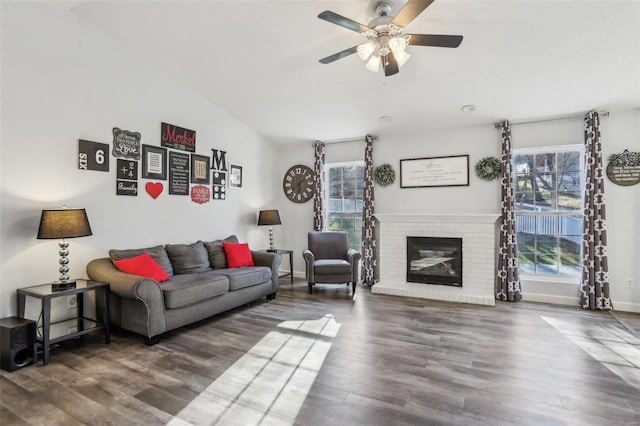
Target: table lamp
270, 218
61, 224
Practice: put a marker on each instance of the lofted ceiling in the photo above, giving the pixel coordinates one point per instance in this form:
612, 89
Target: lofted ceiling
258, 61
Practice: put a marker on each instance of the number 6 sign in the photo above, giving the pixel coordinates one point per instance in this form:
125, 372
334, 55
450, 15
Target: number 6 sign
93, 156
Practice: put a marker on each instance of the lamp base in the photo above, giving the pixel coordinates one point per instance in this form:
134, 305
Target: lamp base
63, 285
270, 250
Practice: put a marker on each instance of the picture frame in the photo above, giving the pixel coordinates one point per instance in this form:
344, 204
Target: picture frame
200, 169
235, 176
154, 162
431, 172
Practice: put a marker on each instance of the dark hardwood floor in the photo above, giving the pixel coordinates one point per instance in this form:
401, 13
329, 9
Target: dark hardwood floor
324, 359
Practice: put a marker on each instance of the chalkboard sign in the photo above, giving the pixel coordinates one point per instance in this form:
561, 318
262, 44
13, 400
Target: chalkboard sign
178, 173
178, 138
126, 144
127, 169
125, 187
93, 156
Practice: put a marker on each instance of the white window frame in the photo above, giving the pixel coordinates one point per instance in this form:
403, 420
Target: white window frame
554, 149
327, 167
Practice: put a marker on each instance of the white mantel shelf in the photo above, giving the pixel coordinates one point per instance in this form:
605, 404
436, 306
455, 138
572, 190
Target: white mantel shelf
437, 218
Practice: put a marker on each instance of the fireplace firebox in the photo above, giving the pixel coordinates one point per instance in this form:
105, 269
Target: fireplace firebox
434, 261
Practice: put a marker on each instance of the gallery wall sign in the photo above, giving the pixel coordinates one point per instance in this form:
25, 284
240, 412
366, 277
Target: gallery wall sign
178, 138
219, 180
93, 156
154, 189
154, 162
127, 177
126, 187
624, 168
200, 169
126, 144
200, 194
178, 173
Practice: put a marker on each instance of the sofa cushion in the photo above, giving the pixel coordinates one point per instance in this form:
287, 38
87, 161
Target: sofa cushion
188, 258
237, 254
187, 289
245, 276
158, 253
143, 266
331, 266
217, 256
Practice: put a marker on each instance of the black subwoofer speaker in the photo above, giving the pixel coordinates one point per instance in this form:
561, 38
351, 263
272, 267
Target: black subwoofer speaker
17, 343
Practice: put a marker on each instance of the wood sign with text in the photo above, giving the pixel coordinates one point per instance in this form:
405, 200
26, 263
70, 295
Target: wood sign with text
178, 173
93, 156
624, 168
126, 144
178, 138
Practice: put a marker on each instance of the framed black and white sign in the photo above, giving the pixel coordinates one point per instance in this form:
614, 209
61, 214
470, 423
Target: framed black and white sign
126, 187
126, 144
200, 169
178, 173
434, 171
235, 176
93, 156
154, 162
127, 169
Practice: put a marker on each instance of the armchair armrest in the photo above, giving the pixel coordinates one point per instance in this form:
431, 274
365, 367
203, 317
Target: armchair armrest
270, 260
353, 257
309, 259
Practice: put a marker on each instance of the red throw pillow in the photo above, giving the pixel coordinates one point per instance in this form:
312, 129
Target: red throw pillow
237, 254
144, 266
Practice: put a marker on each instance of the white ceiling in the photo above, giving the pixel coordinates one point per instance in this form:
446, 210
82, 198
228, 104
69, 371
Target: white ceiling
258, 60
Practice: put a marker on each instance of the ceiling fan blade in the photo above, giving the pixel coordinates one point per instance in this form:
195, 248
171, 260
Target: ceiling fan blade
435, 40
410, 11
390, 65
347, 23
339, 55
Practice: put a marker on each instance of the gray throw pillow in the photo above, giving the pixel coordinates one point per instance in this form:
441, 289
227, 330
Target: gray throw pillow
158, 254
188, 258
217, 256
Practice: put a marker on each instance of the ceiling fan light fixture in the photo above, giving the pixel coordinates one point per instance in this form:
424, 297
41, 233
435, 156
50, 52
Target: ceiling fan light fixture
373, 64
401, 58
397, 44
365, 50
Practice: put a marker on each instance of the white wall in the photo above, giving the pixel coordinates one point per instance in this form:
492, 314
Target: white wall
619, 131
62, 80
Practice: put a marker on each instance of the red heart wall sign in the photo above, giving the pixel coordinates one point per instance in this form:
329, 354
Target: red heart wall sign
154, 189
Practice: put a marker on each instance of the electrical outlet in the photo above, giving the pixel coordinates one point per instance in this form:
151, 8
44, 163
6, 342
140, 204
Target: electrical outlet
72, 301
629, 283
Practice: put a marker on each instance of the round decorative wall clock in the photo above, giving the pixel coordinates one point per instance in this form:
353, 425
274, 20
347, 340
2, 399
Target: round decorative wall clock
297, 183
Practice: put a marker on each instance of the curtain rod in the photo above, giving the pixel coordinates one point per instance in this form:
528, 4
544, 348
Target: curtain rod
357, 139
544, 120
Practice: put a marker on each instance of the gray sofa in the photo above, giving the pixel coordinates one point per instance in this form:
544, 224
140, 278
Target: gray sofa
200, 285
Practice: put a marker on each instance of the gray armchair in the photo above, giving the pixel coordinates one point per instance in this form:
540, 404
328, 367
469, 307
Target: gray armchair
330, 260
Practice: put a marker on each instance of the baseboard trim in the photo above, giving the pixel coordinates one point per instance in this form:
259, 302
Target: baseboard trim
573, 301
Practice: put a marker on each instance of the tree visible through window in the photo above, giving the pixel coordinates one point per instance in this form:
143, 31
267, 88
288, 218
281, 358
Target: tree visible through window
548, 192
344, 186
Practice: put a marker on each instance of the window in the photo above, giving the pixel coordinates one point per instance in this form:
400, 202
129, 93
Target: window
548, 202
345, 184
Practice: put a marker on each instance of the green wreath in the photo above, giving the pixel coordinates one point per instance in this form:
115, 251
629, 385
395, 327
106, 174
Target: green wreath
489, 168
384, 175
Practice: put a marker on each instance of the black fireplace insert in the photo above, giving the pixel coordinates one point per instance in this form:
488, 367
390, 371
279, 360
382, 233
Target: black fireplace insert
434, 260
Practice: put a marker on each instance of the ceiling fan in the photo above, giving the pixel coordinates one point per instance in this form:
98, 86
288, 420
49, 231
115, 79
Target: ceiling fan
386, 45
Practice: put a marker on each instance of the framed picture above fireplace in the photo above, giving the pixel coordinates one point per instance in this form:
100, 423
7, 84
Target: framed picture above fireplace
434, 171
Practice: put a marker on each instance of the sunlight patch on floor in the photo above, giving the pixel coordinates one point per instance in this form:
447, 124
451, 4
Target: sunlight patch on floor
269, 384
611, 345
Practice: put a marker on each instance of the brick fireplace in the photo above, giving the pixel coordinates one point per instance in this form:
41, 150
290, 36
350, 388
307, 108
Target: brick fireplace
479, 244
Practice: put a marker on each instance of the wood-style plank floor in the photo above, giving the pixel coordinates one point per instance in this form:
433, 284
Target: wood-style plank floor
325, 359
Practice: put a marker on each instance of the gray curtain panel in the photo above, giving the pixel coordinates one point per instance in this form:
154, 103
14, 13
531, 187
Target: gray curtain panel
508, 278
594, 285
319, 209
369, 246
